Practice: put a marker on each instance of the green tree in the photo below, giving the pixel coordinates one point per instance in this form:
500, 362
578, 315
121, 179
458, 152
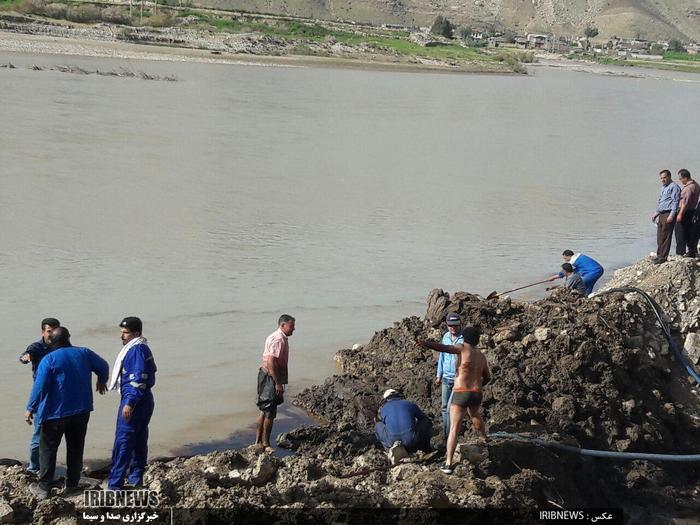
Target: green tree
442, 26
675, 45
591, 32
509, 36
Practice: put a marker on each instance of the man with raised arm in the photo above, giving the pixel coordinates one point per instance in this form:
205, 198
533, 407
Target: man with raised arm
472, 375
34, 353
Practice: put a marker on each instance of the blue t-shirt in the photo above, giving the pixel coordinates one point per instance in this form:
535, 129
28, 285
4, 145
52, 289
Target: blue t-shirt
400, 416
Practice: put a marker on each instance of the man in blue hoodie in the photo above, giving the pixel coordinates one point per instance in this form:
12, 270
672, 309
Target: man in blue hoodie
61, 400
133, 374
588, 268
34, 353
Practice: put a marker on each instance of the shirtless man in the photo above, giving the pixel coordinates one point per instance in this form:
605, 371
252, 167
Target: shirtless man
472, 374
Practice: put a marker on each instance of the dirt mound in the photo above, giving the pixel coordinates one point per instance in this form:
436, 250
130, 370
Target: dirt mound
593, 373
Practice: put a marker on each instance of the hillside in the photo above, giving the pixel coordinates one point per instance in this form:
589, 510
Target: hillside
650, 19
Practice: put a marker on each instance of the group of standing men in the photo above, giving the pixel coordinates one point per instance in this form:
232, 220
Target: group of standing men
677, 211
61, 401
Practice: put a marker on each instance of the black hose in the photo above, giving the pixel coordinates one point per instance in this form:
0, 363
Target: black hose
664, 326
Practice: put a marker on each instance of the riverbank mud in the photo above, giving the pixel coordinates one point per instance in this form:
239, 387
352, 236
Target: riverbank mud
591, 373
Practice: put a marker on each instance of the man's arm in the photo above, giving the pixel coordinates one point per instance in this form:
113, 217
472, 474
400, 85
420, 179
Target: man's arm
28, 355
100, 367
40, 384
273, 370
448, 349
485, 375
683, 206
135, 368
439, 367
675, 198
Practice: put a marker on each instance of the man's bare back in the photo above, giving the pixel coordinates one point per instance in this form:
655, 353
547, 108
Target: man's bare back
472, 368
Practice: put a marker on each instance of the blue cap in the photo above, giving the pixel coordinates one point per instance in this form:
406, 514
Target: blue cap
453, 320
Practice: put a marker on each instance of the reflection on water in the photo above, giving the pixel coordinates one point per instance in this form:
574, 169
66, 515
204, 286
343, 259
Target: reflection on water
212, 205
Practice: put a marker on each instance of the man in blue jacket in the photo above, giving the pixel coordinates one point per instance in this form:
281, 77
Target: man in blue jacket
133, 374
447, 367
61, 401
588, 268
34, 353
402, 425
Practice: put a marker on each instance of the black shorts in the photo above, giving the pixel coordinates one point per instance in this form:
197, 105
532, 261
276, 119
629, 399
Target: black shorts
268, 399
466, 399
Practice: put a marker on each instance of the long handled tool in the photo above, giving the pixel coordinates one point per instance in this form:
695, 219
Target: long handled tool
494, 294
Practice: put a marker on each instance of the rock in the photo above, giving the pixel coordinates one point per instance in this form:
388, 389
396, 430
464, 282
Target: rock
8, 462
542, 333
692, 347
473, 452
437, 306
509, 334
7, 513
264, 469
564, 405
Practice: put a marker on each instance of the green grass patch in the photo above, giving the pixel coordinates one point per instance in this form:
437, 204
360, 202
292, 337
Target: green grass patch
675, 55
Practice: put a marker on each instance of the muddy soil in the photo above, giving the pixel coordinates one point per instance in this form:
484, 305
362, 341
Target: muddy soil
592, 373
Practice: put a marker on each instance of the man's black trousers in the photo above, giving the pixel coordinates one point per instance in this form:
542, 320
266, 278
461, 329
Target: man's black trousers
52, 431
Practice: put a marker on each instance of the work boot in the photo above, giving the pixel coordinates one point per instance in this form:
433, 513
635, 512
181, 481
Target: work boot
397, 452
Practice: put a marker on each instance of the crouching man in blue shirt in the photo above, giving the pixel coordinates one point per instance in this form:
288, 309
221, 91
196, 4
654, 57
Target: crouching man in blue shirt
402, 428
133, 374
61, 400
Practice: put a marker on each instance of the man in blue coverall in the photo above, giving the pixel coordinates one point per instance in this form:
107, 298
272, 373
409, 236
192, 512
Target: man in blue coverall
134, 374
588, 268
34, 353
61, 400
402, 424
447, 367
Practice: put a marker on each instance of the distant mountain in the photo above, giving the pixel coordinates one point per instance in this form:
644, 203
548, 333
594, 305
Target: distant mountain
649, 19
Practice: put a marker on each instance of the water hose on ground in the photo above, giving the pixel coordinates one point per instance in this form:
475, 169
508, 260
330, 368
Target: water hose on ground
681, 458
631, 456
664, 326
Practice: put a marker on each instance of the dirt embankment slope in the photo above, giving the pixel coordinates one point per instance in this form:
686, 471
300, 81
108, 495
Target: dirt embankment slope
593, 373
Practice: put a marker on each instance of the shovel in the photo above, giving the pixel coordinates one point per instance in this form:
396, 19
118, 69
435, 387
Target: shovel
494, 294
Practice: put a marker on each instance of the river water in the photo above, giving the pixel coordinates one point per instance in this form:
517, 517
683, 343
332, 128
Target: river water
211, 205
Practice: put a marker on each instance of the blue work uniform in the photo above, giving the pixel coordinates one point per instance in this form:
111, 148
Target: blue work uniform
588, 268
447, 370
130, 452
401, 420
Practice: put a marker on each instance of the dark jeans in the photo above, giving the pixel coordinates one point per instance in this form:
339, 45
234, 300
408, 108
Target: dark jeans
687, 234
664, 235
52, 431
416, 438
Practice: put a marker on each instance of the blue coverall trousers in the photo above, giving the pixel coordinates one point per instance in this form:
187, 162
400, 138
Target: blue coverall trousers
130, 451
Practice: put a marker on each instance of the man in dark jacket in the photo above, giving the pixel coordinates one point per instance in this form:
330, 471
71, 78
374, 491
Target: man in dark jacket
61, 400
34, 353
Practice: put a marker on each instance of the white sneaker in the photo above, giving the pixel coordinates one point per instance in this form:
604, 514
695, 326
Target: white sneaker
397, 452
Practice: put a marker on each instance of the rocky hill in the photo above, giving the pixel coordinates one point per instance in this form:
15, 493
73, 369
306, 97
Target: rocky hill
591, 373
650, 19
